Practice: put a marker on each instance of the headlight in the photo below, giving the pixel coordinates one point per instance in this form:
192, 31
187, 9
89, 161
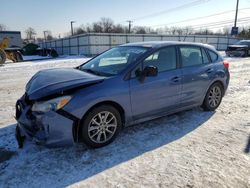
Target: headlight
51, 105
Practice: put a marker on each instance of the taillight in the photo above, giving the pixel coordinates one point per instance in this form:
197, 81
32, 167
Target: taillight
226, 64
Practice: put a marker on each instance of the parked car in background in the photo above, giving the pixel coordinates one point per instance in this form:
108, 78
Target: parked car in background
125, 85
240, 49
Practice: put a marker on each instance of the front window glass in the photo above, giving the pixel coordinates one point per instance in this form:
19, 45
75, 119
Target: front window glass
137, 71
113, 61
164, 59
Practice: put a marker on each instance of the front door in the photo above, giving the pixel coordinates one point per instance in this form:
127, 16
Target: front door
159, 93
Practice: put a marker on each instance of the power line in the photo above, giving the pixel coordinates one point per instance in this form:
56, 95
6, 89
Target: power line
225, 25
198, 18
220, 22
221, 26
184, 6
187, 5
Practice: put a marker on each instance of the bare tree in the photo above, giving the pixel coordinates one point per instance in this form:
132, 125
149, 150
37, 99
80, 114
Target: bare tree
49, 35
204, 32
188, 30
179, 31
97, 27
173, 30
139, 30
30, 33
226, 30
118, 29
39, 40
80, 30
245, 32
106, 24
2, 27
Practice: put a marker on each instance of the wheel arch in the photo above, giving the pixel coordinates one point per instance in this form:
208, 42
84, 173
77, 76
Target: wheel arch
108, 102
222, 85
215, 81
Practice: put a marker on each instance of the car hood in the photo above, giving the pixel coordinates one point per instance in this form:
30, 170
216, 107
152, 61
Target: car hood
57, 81
238, 46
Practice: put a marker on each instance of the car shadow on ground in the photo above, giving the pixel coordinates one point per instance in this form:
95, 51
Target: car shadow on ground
66, 166
247, 149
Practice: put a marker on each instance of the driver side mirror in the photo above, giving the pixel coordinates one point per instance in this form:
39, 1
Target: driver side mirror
150, 71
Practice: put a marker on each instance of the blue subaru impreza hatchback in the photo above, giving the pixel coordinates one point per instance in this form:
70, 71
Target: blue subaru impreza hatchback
125, 85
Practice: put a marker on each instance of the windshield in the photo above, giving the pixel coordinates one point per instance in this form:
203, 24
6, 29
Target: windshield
113, 61
243, 43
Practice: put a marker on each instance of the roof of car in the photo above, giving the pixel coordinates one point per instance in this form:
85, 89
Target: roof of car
158, 44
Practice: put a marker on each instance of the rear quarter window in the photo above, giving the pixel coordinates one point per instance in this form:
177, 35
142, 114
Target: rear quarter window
204, 56
214, 57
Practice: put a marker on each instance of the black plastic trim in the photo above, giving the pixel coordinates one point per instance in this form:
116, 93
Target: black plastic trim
76, 123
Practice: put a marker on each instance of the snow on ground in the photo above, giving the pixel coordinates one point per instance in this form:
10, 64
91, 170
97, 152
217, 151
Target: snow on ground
188, 149
32, 57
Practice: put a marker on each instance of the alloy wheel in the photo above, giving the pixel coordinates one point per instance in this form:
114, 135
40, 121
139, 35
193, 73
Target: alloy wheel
214, 97
102, 127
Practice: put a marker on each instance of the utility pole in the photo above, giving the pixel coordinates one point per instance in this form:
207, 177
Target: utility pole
129, 25
72, 31
44, 33
236, 14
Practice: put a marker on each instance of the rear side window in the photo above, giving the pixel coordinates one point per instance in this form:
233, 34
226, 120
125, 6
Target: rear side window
190, 56
204, 56
213, 55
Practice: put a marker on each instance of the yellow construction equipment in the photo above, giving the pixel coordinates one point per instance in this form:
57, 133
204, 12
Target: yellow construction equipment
10, 53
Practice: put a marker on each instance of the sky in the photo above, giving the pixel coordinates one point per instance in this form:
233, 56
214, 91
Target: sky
55, 15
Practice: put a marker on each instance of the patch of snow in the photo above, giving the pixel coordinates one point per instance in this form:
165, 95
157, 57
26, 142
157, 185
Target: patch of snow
188, 149
32, 57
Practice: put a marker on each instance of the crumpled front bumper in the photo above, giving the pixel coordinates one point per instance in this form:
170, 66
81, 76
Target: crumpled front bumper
236, 53
51, 128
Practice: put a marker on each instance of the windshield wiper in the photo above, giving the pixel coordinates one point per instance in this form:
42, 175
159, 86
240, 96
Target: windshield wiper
97, 73
91, 71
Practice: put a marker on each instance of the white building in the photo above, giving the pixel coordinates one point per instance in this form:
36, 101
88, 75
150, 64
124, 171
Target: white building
14, 36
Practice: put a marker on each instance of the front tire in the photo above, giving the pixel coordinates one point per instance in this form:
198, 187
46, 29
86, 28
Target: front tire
101, 126
213, 97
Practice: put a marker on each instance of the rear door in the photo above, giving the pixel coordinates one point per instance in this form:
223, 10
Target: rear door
197, 72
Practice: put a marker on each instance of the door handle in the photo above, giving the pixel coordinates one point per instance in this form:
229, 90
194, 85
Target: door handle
210, 70
176, 79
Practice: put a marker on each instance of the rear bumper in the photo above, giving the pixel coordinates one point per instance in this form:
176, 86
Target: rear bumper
50, 129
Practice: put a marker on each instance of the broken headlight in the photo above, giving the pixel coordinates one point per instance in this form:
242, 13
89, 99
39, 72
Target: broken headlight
51, 105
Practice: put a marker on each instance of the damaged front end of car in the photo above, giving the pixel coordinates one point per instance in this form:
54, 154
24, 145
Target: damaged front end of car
40, 111
237, 50
44, 122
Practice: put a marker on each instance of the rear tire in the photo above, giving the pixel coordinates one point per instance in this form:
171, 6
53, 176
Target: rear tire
101, 126
213, 97
247, 53
2, 56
